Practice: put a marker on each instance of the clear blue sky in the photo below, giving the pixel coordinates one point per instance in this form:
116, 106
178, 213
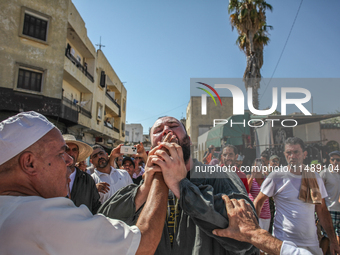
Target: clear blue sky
157, 46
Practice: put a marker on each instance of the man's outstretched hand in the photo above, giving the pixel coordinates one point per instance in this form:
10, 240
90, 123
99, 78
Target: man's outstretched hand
242, 220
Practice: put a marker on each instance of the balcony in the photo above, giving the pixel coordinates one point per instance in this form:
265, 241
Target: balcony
69, 110
78, 64
84, 112
108, 124
114, 102
76, 108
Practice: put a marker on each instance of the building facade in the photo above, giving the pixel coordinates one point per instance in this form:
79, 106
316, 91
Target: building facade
134, 133
197, 124
49, 65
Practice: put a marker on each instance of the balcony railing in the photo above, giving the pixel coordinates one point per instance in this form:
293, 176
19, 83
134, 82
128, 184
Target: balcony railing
84, 112
73, 105
78, 64
107, 124
113, 101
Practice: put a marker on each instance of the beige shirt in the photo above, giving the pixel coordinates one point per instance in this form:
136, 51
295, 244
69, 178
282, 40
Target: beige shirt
332, 184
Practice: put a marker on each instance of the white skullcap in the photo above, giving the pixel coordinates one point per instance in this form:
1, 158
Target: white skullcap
21, 131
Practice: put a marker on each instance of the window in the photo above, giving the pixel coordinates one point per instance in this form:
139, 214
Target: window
34, 25
29, 80
99, 112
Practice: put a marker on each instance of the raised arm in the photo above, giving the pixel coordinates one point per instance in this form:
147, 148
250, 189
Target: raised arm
326, 222
152, 217
243, 226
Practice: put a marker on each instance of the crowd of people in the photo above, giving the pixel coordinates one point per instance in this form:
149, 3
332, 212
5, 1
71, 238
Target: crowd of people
156, 202
292, 200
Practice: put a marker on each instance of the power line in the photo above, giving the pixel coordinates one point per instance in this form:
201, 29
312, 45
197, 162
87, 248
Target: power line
284, 47
160, 114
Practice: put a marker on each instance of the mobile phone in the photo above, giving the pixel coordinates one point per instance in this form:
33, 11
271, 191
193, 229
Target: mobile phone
128, 149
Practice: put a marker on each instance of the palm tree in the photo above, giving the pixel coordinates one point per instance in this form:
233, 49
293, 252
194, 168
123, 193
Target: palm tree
249, 18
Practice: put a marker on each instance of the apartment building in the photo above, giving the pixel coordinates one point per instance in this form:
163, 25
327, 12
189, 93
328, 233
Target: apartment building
134, 133
49, 65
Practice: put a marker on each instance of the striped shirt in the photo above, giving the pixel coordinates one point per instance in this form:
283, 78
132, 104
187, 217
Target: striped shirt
254, 191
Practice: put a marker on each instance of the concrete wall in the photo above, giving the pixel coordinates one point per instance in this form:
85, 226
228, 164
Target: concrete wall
330, 135
16, 49
135, 132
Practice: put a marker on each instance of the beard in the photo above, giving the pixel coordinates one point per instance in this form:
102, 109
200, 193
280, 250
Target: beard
228, 162
185, 144
102, 163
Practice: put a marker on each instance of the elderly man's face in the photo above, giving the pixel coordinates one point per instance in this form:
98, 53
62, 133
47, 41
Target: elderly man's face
166, 125
73, 151
52, 177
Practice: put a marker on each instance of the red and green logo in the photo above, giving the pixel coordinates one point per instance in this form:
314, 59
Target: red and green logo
204, 97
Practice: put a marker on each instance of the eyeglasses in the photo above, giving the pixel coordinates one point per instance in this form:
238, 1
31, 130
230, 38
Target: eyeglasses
127, 165
275, 161
335, 159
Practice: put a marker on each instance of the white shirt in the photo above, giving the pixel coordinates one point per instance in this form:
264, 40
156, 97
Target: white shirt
117, 179
37, 226
134, 176
289, 248
294, 219
332, 181
72, 177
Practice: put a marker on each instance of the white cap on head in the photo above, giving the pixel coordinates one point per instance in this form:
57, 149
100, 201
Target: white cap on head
19, 132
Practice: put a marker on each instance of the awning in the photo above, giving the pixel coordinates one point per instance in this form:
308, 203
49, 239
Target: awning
301, 119
229, 134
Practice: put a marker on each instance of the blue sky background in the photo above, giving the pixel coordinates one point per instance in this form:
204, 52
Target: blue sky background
157, 46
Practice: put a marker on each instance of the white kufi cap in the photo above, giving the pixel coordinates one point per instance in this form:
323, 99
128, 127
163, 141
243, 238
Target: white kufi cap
19, 132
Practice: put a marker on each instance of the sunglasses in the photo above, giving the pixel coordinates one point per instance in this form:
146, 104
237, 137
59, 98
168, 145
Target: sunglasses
335, 159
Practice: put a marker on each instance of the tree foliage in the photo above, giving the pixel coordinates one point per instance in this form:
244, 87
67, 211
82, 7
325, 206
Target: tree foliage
249, 18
